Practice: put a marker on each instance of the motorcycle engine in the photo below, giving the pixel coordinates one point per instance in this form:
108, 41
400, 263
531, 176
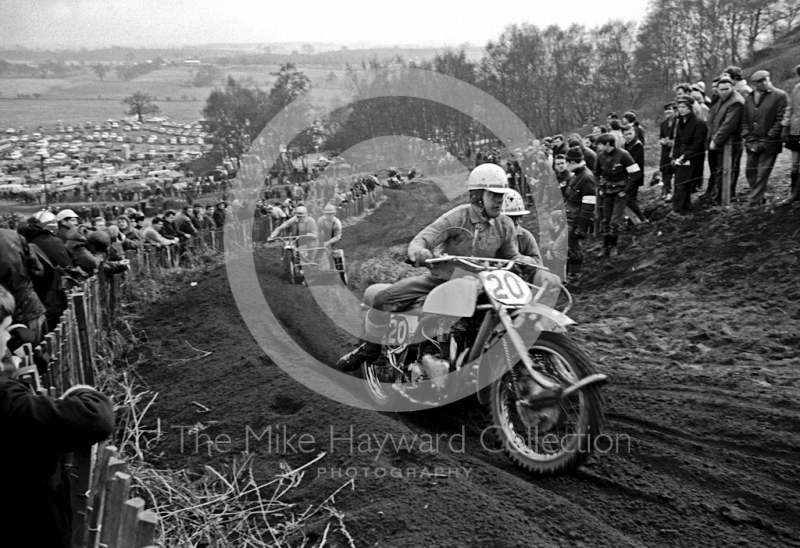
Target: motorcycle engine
436, 369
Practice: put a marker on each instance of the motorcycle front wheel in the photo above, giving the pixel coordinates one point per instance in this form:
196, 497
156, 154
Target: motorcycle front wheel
552, 440
377, 383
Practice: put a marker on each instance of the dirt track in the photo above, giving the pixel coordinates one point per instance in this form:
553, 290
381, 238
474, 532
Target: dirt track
701, 346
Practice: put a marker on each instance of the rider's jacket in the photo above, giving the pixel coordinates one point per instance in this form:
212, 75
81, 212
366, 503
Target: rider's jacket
305, 227
527, 244
464, 230
329, 230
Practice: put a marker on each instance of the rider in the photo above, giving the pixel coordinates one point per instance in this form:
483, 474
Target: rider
477, 228
330, 231
299, 225
514, 207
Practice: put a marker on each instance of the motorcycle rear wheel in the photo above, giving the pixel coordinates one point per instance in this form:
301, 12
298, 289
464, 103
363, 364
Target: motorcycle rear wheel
579, 419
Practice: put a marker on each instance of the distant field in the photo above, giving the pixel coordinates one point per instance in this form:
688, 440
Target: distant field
83, 97
35, 112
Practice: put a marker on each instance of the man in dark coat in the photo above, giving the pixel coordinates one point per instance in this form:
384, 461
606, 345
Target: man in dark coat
762, 126
580, 197
636, 149
184, 224
219, 214
689, 149
35, 431
666, 134
619, 175
55, 259
18, 267
724, 126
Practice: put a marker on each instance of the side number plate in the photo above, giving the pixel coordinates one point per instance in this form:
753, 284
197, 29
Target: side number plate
399, 331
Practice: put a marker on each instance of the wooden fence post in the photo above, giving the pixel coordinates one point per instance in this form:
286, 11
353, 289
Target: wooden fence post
127, 527
84, 338
105, 466
112, 509
146, 529
49, 348
727, 172
80, 475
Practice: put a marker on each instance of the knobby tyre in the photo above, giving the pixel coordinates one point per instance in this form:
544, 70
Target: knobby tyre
557, 439
378, 388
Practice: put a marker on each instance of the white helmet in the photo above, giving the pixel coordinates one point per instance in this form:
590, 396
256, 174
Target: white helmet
45, 217
489, 177
513, 204
301, 211
329, 208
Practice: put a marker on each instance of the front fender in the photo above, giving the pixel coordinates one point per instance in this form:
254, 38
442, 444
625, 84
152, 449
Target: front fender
554, 317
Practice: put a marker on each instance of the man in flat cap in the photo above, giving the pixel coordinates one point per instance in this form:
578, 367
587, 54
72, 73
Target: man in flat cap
762, 125
791, 133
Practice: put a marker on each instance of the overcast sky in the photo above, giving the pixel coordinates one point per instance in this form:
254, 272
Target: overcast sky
99, 23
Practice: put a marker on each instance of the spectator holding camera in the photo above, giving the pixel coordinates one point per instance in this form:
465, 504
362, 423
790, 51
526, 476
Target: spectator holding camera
688, 151
35, 432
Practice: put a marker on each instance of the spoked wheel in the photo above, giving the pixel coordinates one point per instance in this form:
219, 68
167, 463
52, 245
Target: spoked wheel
555, 439
289, 266
377, 381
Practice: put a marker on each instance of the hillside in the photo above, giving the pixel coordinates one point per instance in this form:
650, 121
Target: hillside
696, 324
780, 59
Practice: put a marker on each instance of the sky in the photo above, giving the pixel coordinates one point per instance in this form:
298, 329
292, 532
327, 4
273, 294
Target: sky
61, 24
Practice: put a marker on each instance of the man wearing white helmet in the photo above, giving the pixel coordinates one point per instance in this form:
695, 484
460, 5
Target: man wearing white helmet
299, 225
329, 230
514, 207
67, 220
475, 229
329, 227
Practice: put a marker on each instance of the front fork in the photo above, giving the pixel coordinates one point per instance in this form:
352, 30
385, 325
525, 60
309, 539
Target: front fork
544, 382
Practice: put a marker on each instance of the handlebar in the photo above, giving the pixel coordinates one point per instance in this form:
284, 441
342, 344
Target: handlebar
478, 263
283, 238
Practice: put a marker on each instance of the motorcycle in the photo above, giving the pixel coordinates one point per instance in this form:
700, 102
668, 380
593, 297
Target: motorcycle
486, 327
301, 262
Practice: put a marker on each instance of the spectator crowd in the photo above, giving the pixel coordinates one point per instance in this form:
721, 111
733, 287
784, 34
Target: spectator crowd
605, 168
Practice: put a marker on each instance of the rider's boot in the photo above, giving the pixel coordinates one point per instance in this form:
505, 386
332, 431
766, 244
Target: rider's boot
368, 351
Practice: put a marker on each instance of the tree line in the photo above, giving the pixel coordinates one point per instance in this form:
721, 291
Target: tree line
558, 79
554, 79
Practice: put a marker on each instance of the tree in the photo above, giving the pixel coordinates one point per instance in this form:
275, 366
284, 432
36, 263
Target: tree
206, 76
307, 49
140, 104
100, 70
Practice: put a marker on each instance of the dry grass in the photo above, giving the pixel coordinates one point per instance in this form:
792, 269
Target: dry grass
224, 506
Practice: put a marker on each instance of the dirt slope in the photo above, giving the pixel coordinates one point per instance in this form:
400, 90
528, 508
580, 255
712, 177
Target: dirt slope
696, 324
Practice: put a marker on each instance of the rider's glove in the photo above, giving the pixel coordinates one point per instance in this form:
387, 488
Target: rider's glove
419, 256
527, 261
